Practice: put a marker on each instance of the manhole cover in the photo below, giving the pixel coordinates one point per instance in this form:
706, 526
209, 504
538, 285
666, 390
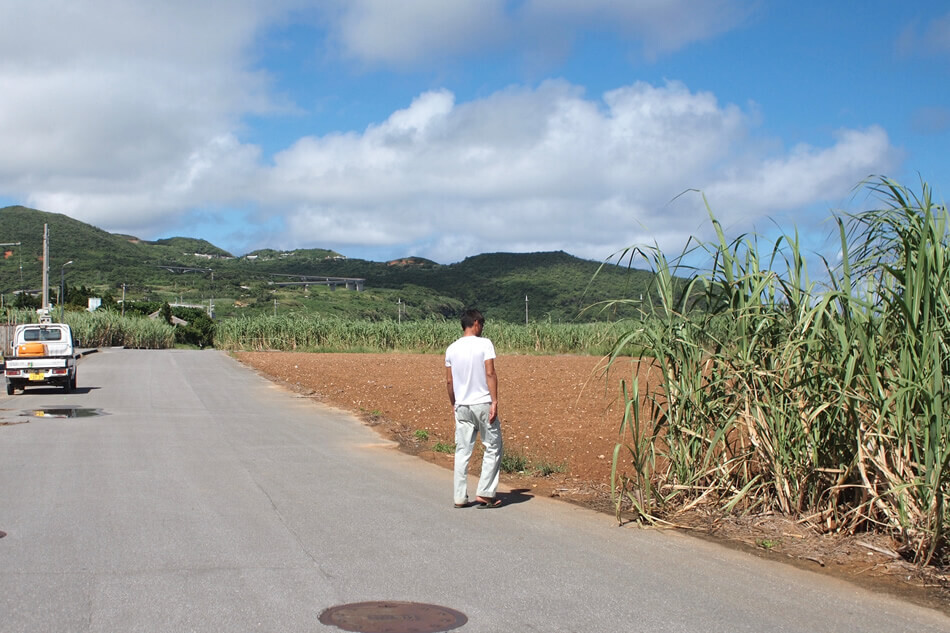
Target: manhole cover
393, 617
2, 534
62, 412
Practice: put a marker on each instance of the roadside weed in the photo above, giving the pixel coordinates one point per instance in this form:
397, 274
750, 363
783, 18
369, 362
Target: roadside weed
544, 468
514, 463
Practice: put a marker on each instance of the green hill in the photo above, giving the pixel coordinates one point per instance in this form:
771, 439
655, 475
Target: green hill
558, 286
190, 245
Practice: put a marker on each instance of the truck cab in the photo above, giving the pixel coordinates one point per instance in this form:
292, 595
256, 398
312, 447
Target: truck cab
42, 354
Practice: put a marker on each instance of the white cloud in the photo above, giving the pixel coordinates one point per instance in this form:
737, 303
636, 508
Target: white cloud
128, 115
107, 104
409, 32
662, 26
422, 32
930, 39
806, 174
549, 168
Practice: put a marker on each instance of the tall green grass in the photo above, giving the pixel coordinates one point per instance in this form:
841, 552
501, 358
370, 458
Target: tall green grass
103, 328
314, 332
827, 401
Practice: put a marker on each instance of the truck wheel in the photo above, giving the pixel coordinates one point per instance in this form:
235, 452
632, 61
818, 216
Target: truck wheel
68, 386
9, 388
72, 382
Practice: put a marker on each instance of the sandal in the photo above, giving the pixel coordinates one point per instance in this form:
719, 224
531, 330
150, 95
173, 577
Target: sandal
487, 504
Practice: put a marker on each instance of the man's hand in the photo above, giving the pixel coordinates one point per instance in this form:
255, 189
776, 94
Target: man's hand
493, 412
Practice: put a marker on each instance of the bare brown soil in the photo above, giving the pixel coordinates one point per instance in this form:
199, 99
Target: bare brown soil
563, 415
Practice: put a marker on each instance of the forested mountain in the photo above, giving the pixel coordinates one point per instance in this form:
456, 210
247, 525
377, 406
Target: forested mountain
558, 286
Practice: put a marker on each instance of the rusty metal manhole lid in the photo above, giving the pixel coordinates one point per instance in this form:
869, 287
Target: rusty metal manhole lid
393, 617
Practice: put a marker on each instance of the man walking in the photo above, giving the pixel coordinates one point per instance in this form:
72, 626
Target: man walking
473, 391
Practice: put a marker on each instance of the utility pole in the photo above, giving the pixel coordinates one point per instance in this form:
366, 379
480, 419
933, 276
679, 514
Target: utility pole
123, 299
45, 305
399, 309
526, 309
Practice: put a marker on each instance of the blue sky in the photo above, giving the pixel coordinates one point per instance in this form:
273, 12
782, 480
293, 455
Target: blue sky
448, 128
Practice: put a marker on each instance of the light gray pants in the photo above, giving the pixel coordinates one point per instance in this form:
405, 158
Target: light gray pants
470, 420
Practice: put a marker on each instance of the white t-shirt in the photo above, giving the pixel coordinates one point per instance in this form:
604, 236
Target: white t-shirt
467, 357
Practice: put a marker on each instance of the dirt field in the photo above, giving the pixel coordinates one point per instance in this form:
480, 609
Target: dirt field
562, 414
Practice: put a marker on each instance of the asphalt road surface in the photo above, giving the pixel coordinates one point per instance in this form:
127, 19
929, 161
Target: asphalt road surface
204, 498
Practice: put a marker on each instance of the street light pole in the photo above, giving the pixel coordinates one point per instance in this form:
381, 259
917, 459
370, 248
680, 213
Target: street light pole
62, 288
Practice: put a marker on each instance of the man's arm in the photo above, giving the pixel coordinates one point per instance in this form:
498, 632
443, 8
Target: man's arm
449, 385
492, 378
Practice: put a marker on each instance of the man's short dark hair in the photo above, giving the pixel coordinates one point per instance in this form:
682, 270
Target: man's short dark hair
471, 317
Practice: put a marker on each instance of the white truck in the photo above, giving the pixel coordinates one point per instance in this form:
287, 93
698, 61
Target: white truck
42, 354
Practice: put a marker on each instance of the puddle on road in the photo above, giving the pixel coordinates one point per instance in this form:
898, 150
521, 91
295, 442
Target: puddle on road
47, 412
62, 412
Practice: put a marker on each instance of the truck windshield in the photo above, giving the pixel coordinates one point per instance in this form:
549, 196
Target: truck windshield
42, 334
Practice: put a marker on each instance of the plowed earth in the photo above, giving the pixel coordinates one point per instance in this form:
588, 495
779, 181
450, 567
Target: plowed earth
562, 415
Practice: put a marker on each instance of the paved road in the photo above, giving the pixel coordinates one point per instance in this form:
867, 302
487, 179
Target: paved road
207, 499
